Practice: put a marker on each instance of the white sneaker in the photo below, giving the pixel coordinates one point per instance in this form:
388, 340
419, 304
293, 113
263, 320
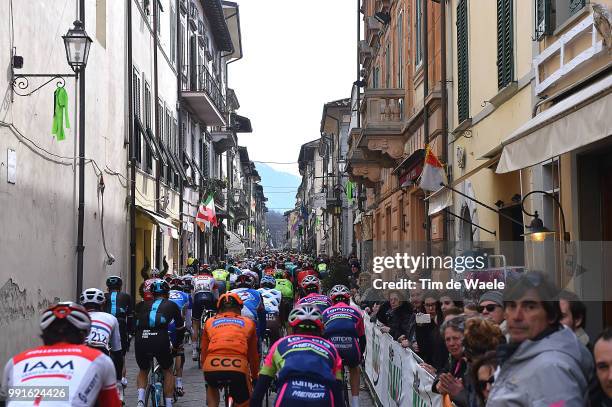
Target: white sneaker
124, 382
140, 403
194, 354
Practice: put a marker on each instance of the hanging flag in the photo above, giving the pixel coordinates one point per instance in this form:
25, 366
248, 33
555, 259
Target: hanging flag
350, 185
433, 172
206, 213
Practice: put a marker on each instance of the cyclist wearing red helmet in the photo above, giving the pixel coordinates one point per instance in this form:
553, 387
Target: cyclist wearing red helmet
345, 329
63, 361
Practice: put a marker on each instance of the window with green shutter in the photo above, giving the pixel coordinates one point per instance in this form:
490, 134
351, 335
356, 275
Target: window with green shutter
505, 43
463, 73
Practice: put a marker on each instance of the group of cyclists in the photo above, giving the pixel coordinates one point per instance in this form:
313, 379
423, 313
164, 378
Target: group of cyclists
254, 325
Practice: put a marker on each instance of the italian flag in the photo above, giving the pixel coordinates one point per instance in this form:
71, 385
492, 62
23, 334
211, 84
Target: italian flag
433, 173
206, 213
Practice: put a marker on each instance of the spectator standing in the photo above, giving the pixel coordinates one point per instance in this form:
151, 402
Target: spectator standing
573, 315
431, 344
491, 306
601, 394
544, 364
482, 372
396, 316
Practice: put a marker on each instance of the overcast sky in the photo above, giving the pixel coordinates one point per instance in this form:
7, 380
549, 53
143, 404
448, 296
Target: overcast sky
298, 55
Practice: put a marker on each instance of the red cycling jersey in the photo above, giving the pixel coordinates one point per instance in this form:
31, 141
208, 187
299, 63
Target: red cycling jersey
88, 374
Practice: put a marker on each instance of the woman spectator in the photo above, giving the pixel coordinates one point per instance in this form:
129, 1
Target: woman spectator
447, 302
430, 342
481, 335
482, 372
450, 379
396, 316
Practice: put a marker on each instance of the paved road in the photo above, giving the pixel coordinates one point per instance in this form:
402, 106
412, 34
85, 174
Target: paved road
193, 383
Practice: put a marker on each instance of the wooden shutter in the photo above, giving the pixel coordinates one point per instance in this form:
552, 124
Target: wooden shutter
463, 86
505, 44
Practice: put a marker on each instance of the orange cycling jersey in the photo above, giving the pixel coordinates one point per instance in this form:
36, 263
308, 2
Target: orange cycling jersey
229, 342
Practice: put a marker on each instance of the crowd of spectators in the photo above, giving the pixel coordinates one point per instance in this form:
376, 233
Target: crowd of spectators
525, 346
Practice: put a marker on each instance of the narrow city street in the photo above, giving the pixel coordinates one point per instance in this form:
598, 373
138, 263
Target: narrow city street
193, 383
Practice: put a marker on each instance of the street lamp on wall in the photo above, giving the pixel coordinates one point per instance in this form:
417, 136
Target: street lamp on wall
77, 44
537, 231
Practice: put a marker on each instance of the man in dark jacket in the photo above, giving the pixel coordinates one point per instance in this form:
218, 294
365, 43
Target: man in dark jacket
601, 393
396, 316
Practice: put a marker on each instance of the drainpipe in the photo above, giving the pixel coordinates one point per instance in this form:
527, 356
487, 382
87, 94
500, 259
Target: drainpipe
159, 235
424, 27
181, 142
132, 156
444, 103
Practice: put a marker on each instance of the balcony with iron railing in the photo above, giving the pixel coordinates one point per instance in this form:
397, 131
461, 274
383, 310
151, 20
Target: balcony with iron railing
203, 95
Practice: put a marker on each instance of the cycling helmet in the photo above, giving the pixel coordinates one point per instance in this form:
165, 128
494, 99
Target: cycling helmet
155, 273
306, 316
92, 296
160, 287
245, 281
339, 293
114, 282
311, 281
176, 283
230, 300
74, 313
268, 282
279, 274
204, 268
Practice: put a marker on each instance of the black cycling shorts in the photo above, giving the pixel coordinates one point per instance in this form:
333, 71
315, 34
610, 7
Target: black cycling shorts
151, 344
239, 383
202, 301
125, 339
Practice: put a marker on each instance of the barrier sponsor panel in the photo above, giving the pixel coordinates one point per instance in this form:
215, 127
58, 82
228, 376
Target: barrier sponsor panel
394, 372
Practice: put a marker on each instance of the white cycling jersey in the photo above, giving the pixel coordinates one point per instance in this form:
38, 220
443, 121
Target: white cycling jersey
104, 331
271, 298
88, 374
205, 284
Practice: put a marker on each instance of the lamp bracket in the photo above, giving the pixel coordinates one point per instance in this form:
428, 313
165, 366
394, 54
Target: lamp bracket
21, 82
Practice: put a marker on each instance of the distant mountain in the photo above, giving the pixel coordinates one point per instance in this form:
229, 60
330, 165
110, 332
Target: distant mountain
279, 187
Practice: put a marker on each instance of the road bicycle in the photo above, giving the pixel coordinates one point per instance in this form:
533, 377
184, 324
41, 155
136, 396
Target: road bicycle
154, 395
205, 316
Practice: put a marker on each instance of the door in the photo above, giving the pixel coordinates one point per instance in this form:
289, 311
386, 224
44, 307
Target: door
606, 228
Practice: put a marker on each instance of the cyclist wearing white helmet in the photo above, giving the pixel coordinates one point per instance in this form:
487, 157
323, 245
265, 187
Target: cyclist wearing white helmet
311, 285
64, 361
308, 368
104, 334
272, 300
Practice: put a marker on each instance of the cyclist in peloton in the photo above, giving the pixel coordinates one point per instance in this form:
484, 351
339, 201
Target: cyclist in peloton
64, 360
104, 332
311, 286
253, 303
146, 286
286, 288
119, 305
222, 278
205, 296
183, 301
153, 340
229, 352
344, 328
308, 367
272, 300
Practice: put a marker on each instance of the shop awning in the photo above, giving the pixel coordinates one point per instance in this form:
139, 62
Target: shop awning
579, 120
164, 224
